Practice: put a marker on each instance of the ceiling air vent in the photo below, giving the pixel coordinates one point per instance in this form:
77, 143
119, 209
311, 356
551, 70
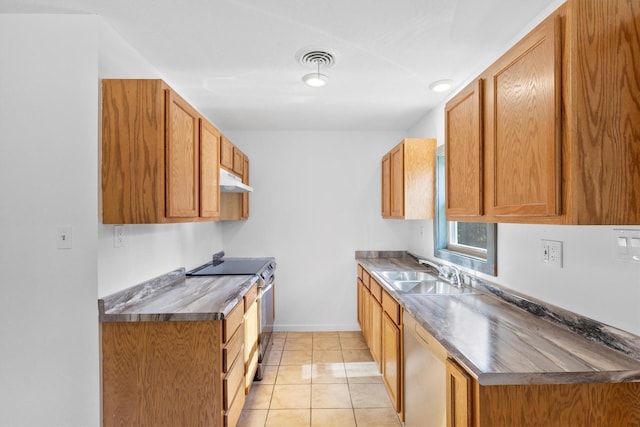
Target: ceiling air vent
309, 57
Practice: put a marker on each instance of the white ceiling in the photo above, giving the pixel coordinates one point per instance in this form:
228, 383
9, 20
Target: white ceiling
234, 60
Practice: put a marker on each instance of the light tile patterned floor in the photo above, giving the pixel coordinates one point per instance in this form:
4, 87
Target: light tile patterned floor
319, 379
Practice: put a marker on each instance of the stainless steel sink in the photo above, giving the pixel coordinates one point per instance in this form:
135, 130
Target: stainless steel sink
420, 283
429, 287
392, 276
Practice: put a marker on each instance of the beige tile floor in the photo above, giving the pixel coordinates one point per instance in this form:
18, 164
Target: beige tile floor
319, 379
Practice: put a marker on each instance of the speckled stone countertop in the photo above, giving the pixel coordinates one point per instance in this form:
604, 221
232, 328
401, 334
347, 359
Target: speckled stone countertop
175, 297
499, 342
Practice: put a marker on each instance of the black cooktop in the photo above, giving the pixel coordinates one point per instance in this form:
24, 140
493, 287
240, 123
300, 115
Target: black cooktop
220, 266
231, 266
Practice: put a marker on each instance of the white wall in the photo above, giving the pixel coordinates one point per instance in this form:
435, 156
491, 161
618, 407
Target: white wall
48, 170
591, 282
49, 177
316, 201
149, 250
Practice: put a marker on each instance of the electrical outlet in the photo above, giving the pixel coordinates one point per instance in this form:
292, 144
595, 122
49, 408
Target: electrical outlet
552, 253
118, 236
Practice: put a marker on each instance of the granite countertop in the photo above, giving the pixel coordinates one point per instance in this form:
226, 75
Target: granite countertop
500, 343
175, 297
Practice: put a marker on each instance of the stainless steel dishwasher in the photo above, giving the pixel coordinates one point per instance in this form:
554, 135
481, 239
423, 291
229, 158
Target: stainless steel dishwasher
425, 377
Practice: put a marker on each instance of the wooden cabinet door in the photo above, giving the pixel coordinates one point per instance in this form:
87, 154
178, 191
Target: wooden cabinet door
524, 126
251, 327
464, 153
391, 359
366, 315
360, 292
182, 158
238, 162
386, 186
245, 180
209, 170
226, 153
376, 331
397, 182
459, 393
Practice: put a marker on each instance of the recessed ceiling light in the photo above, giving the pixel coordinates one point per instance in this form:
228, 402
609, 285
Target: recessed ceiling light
441, 85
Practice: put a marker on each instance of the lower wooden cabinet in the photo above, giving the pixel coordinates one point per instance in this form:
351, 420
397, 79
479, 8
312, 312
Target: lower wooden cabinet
392, 360
470, 404
162, 373
251, 331
376, 330
459, 396
380, 318
364, 305
184, 373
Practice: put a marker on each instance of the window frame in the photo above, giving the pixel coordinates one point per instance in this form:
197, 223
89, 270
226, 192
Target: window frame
446, 251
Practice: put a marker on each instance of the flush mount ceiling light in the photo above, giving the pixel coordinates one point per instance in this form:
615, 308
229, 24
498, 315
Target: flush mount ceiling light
315, 79
441, 85
316, 58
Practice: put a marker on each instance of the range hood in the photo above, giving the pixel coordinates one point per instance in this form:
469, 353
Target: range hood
230, 183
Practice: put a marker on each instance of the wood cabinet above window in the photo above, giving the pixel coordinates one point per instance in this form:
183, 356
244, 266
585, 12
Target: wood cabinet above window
159, 156
408, 180
549, 133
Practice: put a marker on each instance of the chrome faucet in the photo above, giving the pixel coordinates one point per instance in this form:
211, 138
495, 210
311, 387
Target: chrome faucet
448, 273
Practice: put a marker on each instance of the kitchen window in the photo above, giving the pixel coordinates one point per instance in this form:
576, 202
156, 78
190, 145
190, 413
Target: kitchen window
468, 244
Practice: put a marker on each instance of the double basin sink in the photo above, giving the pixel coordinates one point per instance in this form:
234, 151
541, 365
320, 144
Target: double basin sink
420, 283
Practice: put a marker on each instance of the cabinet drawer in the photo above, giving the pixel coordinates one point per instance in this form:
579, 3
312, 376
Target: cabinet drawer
376, 290
366, 277
231, 383
391, 307
232, 415
250, 297
232, 322
231, 351
360, 270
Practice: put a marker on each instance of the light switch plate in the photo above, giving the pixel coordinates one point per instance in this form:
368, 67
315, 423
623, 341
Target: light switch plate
626, 245
64, 238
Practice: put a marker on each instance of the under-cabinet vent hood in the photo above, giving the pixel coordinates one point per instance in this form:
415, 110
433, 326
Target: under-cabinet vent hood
230, 183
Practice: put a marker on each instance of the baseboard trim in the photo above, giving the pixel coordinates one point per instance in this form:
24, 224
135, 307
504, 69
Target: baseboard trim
316, 328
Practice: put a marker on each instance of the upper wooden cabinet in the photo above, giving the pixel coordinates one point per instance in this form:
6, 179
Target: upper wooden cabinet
408, 180
524, 126
386, 186
231, 157
464, 152
182, 158
209, 171
234, 206
557, 125
245, 196
159, 157
226, 153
